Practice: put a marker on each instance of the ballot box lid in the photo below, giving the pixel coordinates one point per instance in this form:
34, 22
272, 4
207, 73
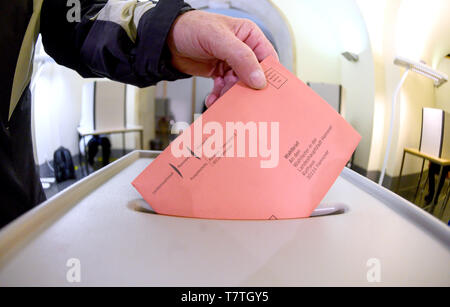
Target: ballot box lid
101, 227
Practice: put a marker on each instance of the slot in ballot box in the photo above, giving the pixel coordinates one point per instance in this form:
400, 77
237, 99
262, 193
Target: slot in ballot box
100, 228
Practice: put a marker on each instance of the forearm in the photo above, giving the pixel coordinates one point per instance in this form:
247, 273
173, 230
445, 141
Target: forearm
121, 40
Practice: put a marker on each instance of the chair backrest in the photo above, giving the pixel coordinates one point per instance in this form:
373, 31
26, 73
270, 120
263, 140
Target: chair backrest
435, 136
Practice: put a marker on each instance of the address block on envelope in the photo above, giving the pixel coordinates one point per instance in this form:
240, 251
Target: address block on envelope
255, 154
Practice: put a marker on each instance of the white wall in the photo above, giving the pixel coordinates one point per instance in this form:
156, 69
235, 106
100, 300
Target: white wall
316, 38
323, 29
418, 30
358, 82
57, 112
443, 92
422, 32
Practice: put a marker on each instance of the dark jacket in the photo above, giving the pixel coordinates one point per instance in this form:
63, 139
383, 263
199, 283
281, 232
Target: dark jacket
123, 40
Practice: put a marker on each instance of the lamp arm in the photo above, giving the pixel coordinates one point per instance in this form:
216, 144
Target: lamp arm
391, 125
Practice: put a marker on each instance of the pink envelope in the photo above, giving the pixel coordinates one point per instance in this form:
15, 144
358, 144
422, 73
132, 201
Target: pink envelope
255, 154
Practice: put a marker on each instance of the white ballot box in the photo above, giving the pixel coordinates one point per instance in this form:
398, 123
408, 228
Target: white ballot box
98, 232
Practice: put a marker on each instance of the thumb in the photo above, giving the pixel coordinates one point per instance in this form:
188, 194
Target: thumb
242, 60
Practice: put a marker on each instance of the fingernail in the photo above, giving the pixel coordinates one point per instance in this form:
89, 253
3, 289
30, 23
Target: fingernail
257, 79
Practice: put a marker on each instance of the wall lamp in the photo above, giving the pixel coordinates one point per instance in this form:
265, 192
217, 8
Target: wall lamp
351, 57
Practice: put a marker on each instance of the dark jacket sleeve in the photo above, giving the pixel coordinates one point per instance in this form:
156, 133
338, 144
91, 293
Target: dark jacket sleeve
123, 40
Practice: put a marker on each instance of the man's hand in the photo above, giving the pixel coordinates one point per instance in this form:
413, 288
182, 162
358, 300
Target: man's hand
220, 47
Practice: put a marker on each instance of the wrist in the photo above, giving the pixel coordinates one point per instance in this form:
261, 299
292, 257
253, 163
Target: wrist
171, 41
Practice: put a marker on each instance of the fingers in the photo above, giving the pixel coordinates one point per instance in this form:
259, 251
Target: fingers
254, 37
243, 49
242, 60
199, 41
221, 86
230, 80
264, 49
